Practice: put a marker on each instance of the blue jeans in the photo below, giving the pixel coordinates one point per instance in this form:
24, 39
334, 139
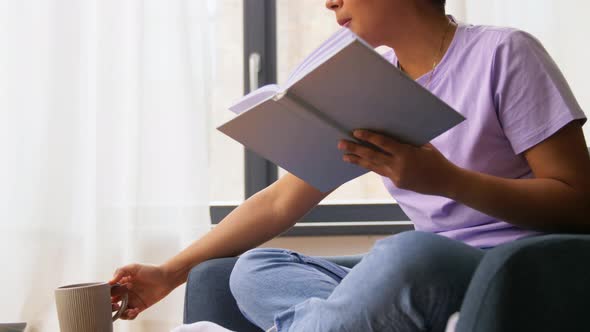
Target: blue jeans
412, 281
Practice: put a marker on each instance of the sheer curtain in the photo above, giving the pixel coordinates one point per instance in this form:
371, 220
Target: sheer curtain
561, 25
103, 145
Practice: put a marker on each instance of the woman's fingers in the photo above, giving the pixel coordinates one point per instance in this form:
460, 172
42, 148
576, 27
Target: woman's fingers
363, 151
130, 314
124, 272
365, 163
385, 143
134, 313
117, 276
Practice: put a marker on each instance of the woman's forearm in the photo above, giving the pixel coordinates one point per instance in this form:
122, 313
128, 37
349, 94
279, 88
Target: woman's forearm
260, 218
249, 225
539, 204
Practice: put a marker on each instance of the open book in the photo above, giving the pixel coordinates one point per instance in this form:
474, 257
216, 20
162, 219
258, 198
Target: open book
342, 86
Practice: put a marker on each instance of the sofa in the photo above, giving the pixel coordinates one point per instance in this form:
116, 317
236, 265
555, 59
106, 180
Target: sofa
539, 284
535, 284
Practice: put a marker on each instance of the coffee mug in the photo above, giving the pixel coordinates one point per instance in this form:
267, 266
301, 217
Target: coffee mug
86, 307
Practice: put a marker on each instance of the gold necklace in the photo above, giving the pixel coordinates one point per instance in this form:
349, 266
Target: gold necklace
442, 45
434, 64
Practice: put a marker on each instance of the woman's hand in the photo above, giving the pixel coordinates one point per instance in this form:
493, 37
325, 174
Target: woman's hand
421, 169
145, 284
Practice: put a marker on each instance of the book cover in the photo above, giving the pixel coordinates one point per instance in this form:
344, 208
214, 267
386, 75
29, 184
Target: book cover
342, 86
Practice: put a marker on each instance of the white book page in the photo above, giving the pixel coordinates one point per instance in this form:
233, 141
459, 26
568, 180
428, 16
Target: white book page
254, 98
327, 49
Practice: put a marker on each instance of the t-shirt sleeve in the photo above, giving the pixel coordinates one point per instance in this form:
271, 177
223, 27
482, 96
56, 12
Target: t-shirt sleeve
531, 95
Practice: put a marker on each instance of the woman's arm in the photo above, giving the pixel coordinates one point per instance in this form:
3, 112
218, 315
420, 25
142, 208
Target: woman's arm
259, 219
557, 199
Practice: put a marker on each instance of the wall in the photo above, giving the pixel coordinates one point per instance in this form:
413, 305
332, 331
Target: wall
325, 245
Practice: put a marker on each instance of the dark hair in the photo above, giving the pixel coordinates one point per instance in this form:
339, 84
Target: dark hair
440, 3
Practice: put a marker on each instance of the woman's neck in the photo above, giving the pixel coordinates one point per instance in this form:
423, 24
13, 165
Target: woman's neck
428, 40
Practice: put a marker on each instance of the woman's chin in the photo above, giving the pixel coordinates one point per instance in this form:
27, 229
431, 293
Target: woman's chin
368, 38
363, 34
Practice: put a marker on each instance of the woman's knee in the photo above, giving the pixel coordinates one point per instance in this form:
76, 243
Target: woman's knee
248, 272
420, 256
427, 273
415, 240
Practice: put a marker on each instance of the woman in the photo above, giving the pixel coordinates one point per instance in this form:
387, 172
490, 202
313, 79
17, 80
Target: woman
517, 167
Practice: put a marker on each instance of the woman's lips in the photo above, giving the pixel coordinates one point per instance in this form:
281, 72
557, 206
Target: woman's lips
344, 22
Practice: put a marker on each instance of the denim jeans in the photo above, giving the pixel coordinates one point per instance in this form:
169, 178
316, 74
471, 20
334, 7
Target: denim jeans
412, 281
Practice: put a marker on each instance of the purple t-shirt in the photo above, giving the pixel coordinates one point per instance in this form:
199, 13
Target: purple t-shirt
513, 97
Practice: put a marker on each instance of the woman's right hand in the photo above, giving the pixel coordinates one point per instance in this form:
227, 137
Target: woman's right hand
145, 284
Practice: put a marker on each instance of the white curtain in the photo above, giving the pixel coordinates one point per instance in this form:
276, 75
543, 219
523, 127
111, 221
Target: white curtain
103, 145
561, 25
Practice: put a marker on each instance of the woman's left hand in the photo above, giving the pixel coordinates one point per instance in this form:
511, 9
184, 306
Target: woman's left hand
421, 169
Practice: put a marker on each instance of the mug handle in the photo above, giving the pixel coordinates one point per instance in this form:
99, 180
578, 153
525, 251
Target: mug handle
123, 304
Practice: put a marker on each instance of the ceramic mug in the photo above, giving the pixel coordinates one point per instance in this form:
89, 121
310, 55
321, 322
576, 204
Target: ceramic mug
86, 307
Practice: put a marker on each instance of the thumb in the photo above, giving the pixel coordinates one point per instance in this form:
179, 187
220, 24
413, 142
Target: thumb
128, 270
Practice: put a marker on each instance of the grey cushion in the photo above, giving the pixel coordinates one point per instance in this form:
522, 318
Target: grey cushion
537, 284
208, 296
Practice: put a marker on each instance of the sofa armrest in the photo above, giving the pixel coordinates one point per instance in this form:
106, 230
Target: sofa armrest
535, 284
208, 297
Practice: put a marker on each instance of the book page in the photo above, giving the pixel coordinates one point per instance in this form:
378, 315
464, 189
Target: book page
254, 98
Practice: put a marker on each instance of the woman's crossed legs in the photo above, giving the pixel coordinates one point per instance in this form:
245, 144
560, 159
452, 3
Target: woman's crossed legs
412, 281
